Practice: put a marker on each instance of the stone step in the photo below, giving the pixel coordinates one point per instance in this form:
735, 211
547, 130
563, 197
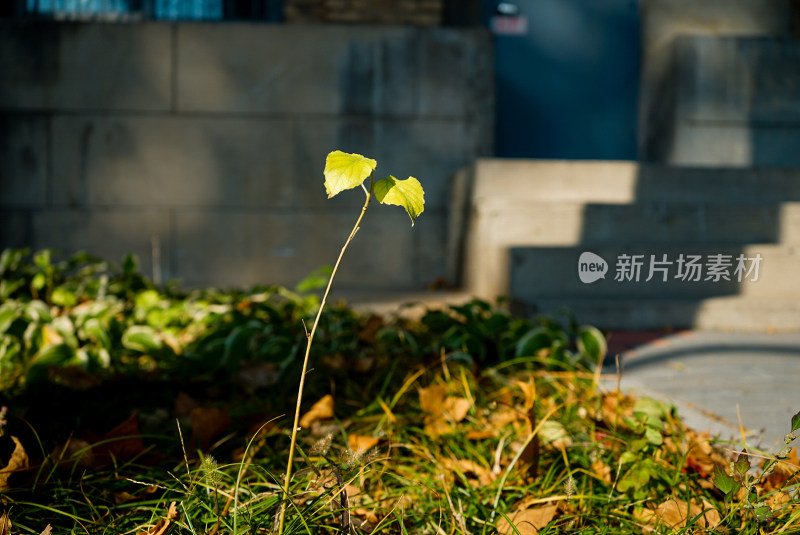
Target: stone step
501, 204
502, 181
730, 313
567, 223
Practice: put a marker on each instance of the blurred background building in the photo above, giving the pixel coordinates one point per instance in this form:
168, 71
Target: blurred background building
194, 132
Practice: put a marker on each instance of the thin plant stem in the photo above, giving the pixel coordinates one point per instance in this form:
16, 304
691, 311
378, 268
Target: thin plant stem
310, 339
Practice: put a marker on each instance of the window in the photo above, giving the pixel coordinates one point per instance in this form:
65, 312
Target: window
269, 10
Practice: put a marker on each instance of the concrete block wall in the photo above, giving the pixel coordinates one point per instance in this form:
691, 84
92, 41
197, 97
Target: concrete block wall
676, 39
737, 101
208, 141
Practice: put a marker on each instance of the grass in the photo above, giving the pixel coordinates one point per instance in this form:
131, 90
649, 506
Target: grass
466, 421
424, 474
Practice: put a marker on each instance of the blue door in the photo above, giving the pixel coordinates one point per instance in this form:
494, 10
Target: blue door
567, 77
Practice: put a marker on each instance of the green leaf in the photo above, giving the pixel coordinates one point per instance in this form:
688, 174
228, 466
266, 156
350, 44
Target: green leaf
763, 513
9, 349
50, 355
63, 297
653, 436
553, 431
10, 260
724, 482
37, 311
94, 329
533, 341
316, 280
592, 343
38, 281
742, 463
635, 479
654, 412
141, 338
9, 311
345, 171
42, 258
407, 193
795, 422
148, 299
130, 264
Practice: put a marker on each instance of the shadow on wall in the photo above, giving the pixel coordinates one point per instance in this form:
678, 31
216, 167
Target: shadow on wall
691, 247
61, 81
116, 137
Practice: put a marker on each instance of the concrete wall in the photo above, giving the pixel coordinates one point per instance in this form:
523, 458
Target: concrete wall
209, 140
673, 60
738, 101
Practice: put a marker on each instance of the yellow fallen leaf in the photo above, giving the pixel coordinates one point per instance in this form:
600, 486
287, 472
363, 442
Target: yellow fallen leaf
5, 524
675, 513
432, 398
481, 434
361, 443
602, 471
529, 389
442, 411
455, 408
165, 525
527, 521
472, 471
320, 410
18, 461
503, 416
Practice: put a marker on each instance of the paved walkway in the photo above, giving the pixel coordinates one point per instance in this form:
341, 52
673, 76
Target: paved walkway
715, 378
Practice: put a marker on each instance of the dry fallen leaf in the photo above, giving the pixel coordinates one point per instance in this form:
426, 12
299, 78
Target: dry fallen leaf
78, 450
455, 408
602, 471
361, 443
368, 333
432, 398
321, 410
124, 442
701, 456
184, 404
165, 525
529, 390
481, 434
527, 521
442, 411
503, 416
474, 472
675, 513
5, 524
18, 461
208, 424
785, 472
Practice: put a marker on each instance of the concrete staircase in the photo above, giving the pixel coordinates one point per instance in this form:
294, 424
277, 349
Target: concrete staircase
525, 223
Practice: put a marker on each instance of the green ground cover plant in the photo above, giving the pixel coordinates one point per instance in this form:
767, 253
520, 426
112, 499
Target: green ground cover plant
467, 420
131, 408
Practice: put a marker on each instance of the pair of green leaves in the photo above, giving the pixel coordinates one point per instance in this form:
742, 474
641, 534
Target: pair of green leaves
345, 171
